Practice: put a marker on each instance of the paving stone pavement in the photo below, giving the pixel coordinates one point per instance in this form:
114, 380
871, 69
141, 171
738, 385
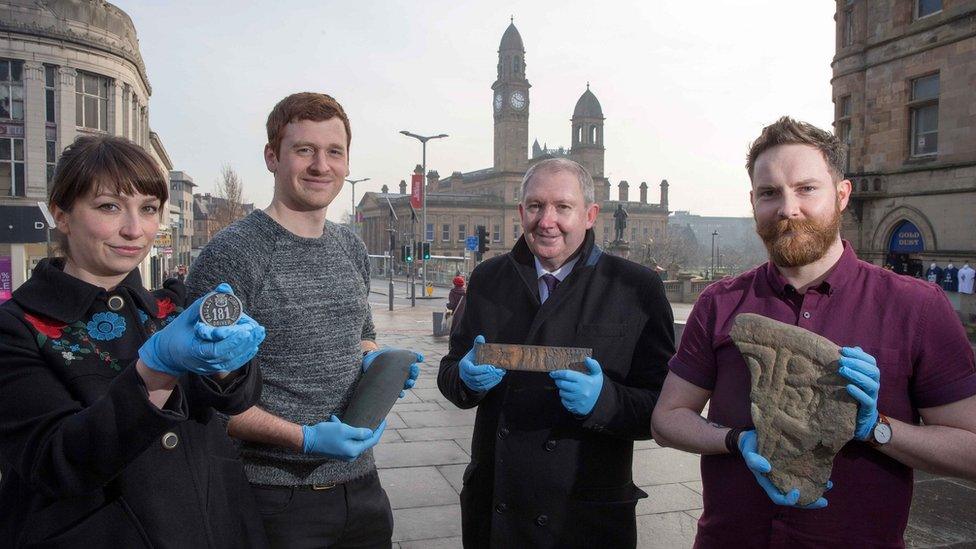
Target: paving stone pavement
427, 445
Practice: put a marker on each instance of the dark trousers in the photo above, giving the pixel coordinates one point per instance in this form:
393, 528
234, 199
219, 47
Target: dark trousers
354, 514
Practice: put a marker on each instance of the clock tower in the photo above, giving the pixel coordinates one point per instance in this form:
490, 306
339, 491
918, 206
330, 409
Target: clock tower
510, 103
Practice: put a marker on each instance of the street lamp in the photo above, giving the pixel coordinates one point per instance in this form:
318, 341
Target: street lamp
711, 271
423, 140
352, 220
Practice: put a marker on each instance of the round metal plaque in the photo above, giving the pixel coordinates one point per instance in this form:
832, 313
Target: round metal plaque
220, 309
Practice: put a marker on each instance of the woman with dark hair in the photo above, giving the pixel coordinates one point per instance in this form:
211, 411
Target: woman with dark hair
113, 399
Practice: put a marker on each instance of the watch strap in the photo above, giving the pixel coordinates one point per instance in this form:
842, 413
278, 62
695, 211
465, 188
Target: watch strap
732, 441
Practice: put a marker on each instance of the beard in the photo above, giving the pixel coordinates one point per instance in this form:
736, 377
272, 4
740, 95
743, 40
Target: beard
808, 241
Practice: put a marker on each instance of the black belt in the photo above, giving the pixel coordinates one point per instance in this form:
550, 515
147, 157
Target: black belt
316, 487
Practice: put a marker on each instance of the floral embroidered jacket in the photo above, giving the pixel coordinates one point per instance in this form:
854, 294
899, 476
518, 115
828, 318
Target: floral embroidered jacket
86, 460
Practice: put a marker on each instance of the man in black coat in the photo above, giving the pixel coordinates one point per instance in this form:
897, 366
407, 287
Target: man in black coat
551, 454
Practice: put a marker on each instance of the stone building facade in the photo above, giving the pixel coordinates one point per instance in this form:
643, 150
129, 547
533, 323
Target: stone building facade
67, 68
210, 215
181, 217
457, 204
904, 91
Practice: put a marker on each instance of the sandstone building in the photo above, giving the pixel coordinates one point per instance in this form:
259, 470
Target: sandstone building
457, 204
904, 91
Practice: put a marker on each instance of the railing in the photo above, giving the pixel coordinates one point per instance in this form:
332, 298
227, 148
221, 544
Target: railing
440, 269
684, 291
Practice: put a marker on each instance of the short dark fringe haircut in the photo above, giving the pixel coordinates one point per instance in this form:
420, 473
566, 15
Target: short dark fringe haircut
104, 162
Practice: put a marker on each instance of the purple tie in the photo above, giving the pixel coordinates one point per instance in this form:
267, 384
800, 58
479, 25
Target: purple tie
551, 282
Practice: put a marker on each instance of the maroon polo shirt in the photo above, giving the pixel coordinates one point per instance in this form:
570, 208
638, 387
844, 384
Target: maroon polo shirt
925, 360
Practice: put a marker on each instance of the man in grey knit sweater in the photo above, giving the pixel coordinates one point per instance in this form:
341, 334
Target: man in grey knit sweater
306, 280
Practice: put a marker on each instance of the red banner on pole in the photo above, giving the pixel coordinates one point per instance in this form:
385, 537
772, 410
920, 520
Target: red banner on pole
417, 191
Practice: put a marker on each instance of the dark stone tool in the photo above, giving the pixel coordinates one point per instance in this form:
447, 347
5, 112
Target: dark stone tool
531, 358
379, 388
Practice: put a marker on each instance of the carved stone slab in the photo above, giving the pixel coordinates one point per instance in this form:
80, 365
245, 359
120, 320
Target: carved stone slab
801, 410
532, 358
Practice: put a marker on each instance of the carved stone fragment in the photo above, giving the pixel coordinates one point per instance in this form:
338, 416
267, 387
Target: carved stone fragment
801, 410
532, 358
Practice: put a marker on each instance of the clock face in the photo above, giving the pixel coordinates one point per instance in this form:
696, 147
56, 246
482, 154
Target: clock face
518, 100
882, 433
498, 102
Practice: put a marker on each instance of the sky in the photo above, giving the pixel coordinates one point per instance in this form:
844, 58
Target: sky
684, 86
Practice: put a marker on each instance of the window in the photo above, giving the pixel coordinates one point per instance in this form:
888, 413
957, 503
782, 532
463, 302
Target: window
848, 27
633, 234
462, 232
51, 160
429, 233
91, 101
925, 8
842, 127
50, 78
496, 233
924, 115
446, 232
11, 89
12, 180
606, 231
515, 231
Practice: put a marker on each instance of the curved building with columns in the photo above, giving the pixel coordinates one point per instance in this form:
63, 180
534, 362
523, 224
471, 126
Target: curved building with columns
459, 203
67, 68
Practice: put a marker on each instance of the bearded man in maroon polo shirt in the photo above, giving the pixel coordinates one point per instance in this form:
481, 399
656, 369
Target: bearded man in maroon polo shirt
904, 352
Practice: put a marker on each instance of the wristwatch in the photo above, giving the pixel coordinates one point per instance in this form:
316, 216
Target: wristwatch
881, 434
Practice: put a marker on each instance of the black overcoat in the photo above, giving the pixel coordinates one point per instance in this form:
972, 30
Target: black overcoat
540, 476
86, 460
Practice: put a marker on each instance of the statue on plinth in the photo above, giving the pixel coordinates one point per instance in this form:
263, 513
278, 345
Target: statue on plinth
619, 222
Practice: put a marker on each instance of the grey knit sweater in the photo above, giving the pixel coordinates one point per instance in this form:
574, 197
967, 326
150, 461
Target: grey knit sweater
310, 294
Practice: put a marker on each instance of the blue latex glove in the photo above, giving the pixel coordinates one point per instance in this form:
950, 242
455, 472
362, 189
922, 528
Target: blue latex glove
862, 370
414, 368
759, 466
187, 345
479, 377
577, 391
337, 440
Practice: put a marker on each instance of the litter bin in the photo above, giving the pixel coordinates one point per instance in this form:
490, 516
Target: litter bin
438, 321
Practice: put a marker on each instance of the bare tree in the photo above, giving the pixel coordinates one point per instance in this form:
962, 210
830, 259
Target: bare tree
677, 250
229, 206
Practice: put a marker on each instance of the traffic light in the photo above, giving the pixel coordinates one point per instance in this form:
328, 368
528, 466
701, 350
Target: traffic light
426, 250
482, 239
406, 254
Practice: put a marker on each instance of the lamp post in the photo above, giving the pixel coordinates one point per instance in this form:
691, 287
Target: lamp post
352, 219
711, 271
423, 140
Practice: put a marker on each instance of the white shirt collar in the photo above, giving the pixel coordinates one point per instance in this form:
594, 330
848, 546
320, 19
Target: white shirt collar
560, 273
